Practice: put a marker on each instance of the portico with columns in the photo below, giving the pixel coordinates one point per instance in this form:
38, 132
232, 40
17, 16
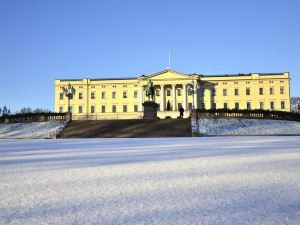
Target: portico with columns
171, 92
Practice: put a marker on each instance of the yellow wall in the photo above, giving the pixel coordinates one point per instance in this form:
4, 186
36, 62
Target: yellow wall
169, 78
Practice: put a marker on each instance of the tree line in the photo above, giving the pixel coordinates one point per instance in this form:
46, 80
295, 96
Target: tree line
5, 111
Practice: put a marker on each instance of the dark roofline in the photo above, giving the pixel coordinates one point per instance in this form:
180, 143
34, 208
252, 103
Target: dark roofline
194, 74
123, 78
68, 79
242, 74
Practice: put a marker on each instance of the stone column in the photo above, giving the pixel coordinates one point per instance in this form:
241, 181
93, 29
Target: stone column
141, 97
195, 95
162, 98
173, 97
184, 97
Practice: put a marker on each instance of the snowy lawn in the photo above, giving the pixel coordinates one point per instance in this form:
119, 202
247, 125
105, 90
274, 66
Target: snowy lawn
31, 130
211, 180
247, 127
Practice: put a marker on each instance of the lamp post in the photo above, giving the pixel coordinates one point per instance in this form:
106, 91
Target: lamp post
192, 89
69, 91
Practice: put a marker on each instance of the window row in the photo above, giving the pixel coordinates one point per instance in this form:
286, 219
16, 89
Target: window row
248, 105
103, 109
261, 91
103, 95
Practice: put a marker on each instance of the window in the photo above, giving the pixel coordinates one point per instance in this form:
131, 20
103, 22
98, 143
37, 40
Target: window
103, 109
80, 109
202, 93
157, 92
272, 105
92, 109
124, 94
237, 105
136, 108
271, 91
168, 92
190, 105
124, 108
103, 95
236, 91
135, 94
113, 94
61, 96
80, 95
202, 105
213, 92
261, 105
248, 105
225, 105
93, 95
247, 91
61, 109
281, 90
179, 92
261, 91
282, 104
224, 92
114, 108
213, 105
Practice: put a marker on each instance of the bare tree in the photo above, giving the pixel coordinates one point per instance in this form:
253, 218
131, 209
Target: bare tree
25, 110
295, 104
41, 110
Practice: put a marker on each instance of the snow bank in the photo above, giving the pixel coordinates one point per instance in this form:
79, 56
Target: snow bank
31, 130
245, 127
208, 180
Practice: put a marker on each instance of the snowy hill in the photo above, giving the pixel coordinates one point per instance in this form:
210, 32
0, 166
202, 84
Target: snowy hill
246, 127
31, 130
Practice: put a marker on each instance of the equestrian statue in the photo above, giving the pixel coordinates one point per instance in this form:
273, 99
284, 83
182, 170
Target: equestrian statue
149, 90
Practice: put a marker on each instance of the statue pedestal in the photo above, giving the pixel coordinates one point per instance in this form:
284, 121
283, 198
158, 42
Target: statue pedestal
150, 110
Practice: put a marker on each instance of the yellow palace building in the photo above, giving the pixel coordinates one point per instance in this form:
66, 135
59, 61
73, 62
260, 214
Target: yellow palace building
122, 98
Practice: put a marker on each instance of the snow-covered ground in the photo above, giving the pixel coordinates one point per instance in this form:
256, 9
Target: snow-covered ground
209, 180
247, 127
31, 130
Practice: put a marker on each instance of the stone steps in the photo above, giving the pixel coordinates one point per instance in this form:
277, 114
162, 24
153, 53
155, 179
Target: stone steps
128, 128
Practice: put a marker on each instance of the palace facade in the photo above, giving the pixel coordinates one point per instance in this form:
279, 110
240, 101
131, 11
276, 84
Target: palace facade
122, 98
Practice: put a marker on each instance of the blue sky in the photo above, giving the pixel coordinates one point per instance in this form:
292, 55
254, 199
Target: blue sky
41, 41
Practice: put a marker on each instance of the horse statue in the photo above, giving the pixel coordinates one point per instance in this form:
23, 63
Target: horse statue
149, 90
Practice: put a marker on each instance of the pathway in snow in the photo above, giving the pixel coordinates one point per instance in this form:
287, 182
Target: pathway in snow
212, 180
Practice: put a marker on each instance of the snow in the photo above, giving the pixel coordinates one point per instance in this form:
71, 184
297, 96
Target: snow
247, 127
208, 180
31, 130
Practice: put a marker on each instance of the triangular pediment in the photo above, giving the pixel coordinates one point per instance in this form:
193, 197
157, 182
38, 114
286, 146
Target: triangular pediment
168, 75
